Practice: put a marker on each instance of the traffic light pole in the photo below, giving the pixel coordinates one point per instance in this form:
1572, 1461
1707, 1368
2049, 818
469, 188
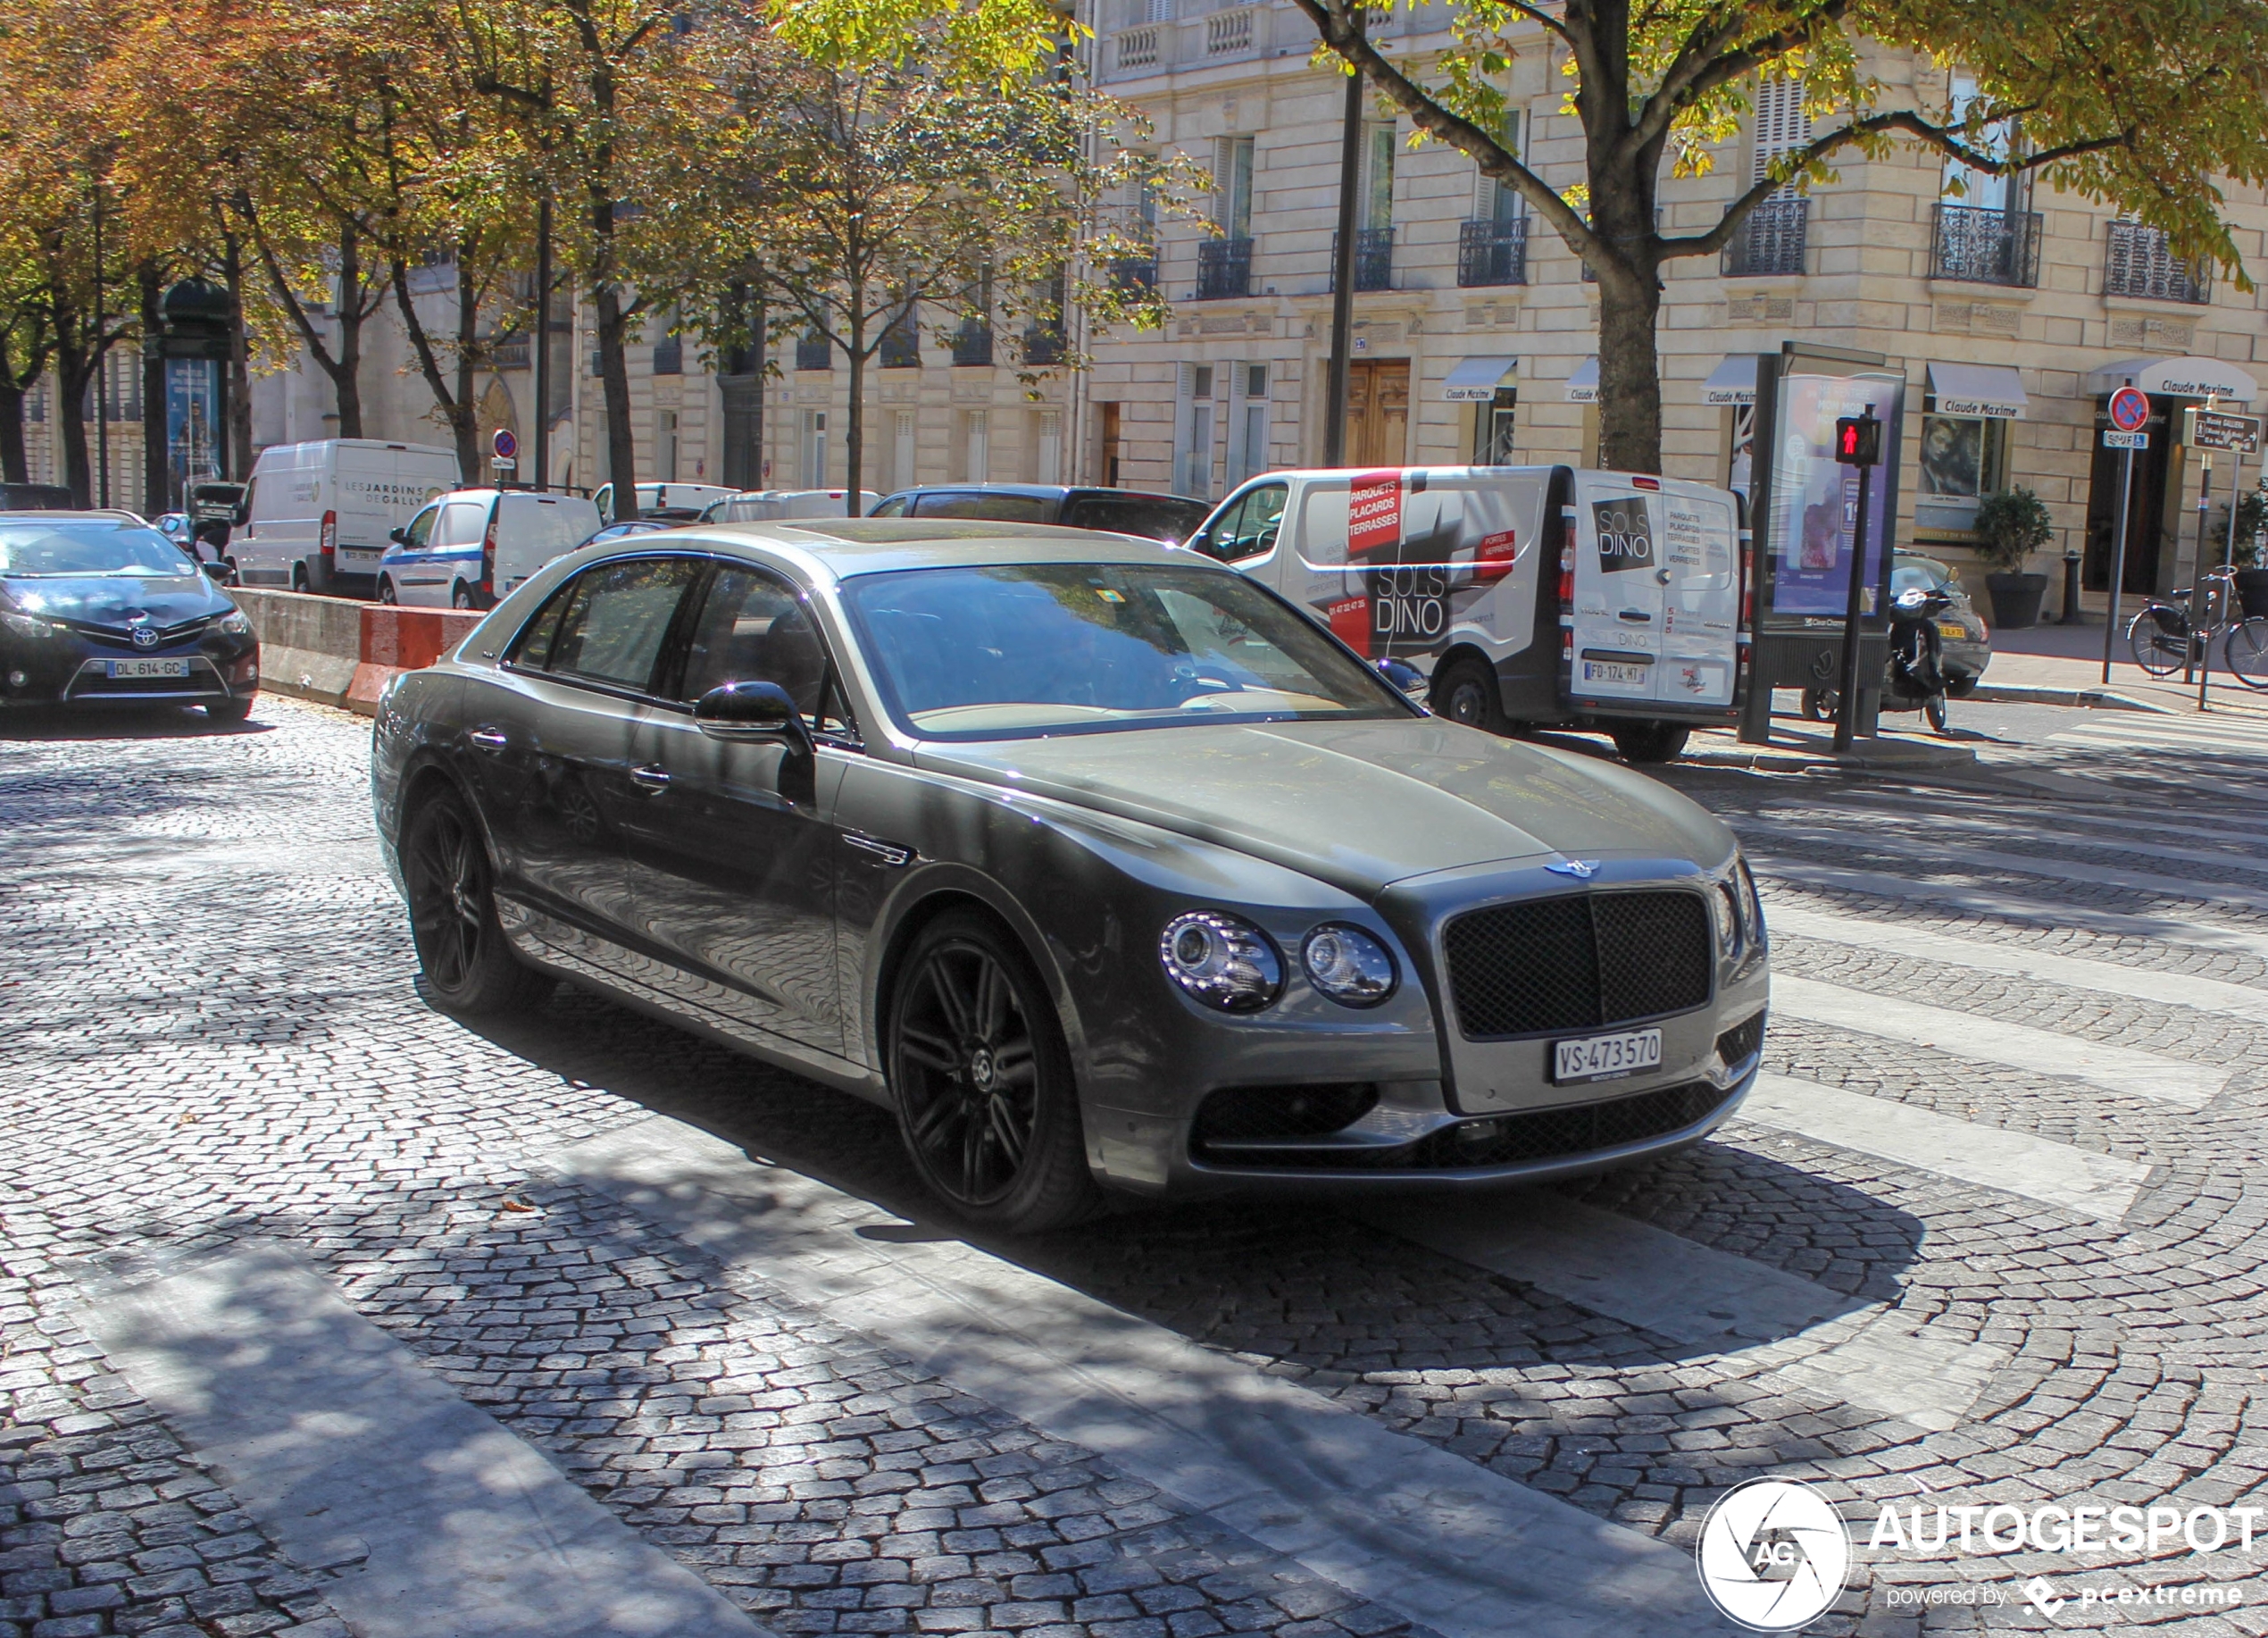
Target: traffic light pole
1847, 712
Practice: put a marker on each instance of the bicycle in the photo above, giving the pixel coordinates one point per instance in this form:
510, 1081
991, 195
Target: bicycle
2164, 643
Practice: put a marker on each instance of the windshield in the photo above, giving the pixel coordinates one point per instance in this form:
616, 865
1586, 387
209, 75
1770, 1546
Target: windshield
88, 546
1917, 574
1021, 649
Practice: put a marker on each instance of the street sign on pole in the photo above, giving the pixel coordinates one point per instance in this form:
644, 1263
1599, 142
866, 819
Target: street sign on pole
2206, 429
1858, 442
2125, 441
504, 445
2130, 409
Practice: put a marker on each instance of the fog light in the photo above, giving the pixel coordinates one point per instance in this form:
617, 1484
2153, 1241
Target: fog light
17, 679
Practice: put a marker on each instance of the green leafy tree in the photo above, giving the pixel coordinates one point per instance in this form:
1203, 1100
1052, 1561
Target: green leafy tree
2148, 105
886, 190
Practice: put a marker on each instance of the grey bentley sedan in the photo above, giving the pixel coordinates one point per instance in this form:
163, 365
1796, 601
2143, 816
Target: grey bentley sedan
1100, 866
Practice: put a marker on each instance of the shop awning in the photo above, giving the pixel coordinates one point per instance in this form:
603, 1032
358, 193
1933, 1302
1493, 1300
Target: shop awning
1733, 381
1582, 386
1993, 391
1475, 381
2176, 378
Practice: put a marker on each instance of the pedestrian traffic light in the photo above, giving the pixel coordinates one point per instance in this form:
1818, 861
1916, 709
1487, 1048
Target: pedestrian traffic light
1858, 440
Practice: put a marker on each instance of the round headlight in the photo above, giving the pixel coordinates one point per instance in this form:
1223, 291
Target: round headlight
236, 624
1349, 964
1222, 960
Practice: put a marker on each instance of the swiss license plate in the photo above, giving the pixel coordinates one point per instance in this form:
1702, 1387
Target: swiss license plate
1948, 628
1605, 1058
1621, 676
118, 669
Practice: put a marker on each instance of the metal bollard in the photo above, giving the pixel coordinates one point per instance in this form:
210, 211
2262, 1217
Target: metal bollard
2071, 614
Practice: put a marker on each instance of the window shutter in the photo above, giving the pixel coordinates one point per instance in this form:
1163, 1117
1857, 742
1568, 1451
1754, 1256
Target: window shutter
1782, 123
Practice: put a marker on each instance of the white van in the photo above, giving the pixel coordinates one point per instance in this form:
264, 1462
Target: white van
470, 548
317, 517
771, 505
670, 499
1521, 596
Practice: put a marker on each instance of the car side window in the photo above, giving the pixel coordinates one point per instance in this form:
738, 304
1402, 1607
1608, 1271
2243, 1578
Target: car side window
752, 628
421, 530
462, 524
614, 626
1251, 530
893, 507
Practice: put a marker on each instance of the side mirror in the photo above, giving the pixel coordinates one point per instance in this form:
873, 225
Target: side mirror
239, 516
751, 713
216, 571
397, 535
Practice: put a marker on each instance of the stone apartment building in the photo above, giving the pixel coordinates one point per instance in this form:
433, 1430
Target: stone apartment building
2012, 311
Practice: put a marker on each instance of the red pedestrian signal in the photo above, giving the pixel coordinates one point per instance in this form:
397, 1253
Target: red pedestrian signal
1858, 440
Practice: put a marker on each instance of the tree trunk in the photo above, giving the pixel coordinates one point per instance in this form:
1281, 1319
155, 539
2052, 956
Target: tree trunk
346, 378
854, 424
73, 372
454, 406
156, 491
1630, 376
239, 467
614, 379
465, 422
14, 468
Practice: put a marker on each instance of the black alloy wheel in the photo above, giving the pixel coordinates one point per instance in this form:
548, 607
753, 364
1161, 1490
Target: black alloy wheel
468, 963
1465, 691
983, 1083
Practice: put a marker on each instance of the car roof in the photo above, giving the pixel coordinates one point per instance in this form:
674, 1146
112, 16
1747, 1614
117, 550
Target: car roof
1042, 491
844, 548
84, 514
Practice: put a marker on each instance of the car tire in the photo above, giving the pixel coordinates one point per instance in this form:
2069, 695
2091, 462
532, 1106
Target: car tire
1648, 742
461, 597
468, 965
299, 577
233, 709
1934, 709
386, 592
234, 578
1464, 690
982, 1082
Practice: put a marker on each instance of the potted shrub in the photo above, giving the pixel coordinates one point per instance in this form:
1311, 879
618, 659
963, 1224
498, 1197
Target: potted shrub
2252, 576
2012, 524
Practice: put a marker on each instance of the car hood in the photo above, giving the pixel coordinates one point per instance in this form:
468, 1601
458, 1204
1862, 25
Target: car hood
113, 599
1359, 805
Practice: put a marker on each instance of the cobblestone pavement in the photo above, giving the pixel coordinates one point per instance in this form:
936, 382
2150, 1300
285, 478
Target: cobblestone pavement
210, 1035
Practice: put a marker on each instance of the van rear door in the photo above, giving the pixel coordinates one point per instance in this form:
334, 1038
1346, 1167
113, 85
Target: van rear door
1656, 596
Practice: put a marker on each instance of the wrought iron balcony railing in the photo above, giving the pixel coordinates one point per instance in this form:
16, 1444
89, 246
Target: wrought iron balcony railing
1493, 253
1983, 244
901, 348
1769, 244
1043, 345
1224, 269
973, 344
1373, 259
2139, 262
1134, 273
815, 353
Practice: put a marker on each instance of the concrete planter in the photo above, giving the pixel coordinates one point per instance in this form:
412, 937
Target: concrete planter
341, 652
2015, 599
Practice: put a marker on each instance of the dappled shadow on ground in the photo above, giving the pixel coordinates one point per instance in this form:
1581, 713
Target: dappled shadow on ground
117, 721
1303, 1282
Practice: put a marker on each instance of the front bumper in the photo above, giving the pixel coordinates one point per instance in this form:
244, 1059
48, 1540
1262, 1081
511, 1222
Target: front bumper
73, 669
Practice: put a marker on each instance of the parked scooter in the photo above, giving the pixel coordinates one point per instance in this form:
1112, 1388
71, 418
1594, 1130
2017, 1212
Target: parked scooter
1913, 679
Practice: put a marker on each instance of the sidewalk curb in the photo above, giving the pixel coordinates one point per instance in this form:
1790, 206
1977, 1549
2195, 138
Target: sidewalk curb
2036, 694
1891, 758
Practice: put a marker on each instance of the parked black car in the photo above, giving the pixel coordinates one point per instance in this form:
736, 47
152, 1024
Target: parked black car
98, 610
34, 497
1170, 518
1099, 864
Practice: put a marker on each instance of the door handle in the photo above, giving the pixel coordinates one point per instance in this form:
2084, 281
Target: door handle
489, 739
652, 777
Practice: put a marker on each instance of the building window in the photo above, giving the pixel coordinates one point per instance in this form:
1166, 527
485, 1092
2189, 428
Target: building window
1248, 432
1232, 163
668, 355
814, 452
1964, 458
902, 341
665, 446
1492, 424
1193, 458
1051, 447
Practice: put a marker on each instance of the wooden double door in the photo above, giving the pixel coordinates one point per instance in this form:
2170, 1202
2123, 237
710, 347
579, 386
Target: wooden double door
1378, 411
